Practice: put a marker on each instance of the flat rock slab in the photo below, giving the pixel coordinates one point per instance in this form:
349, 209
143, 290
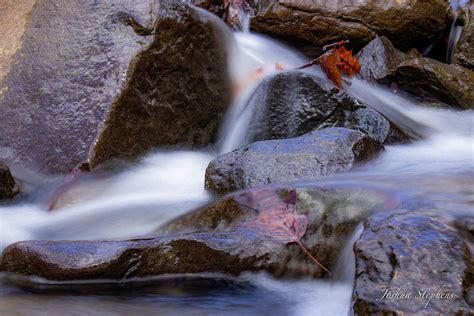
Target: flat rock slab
90, 80
222, 237
319, 153
415, 252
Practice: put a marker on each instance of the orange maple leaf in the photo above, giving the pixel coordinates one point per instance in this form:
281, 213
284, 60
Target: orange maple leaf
329, 64
348, 63
335, 62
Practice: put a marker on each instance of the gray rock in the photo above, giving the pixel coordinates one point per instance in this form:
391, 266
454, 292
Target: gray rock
293, 103
90, 80
415, 251
379, 58
319, 153
370, 122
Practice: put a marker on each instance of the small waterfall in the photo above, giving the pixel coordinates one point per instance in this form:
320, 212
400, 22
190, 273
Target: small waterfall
454, 35
257, 57
418, 121
459, 9
345, 267
244, 21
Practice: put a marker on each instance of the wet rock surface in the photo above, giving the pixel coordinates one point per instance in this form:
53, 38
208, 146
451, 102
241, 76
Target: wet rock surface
370, 122
379, 58
109, 79
216, 238
319, 153
428, 79
312, 24
415, 251
293, 103
8, 186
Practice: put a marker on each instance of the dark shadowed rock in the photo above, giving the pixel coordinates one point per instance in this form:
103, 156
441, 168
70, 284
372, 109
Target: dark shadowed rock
8, 187
319, 153
212, 239
379, 58
315, 23
397, 136
370, 122
293, 103
414, 251
429, 79
90, 80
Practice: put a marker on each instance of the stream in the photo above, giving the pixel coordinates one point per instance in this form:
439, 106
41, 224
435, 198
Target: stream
165, 184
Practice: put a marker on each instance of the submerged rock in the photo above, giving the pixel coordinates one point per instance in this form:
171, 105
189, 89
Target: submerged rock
109, 79
313, 24
8, 186
429, 79
420, 253
379, 58
319, 153
216, 238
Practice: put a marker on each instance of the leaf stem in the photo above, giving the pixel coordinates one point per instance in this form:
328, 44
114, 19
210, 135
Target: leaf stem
312, 258
311, 63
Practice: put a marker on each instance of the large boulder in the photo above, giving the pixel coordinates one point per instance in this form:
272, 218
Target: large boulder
8, 186
413, 263
227, 236
312, 24
319, 153
85, 81
429, 79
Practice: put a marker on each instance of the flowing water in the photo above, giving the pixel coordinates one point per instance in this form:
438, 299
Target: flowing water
165, 184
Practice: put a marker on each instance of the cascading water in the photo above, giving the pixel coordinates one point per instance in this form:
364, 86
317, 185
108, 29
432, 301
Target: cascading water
165, 185
256, 58
459, 9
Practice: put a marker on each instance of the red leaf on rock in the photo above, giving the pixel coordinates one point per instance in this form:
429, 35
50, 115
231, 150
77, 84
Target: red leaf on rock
277, 219
329, 64
348, 63
336, 61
